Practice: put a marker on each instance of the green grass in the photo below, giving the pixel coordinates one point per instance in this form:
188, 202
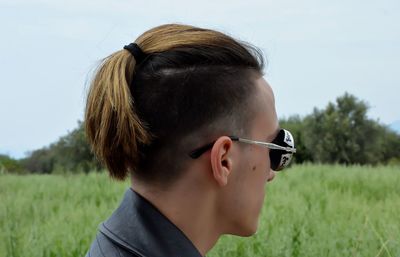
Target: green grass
310, 210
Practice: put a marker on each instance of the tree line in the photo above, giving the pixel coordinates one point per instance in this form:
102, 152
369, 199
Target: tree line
71, 153
341, 133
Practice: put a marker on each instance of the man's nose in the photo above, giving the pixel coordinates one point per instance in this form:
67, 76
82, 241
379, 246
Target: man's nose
271, 175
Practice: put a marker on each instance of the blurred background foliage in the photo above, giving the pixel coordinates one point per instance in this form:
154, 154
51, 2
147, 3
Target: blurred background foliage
341, 133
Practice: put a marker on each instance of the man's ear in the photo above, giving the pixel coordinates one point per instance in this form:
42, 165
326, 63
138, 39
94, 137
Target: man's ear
221, 160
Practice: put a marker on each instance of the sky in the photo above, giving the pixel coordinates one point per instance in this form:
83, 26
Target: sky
316, 50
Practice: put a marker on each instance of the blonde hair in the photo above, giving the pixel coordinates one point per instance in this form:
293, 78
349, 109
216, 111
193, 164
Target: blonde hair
113, 124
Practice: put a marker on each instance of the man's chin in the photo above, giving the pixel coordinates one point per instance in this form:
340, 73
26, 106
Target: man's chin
246, 231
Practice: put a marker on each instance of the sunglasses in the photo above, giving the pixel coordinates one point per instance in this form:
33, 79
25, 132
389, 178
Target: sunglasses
281, 149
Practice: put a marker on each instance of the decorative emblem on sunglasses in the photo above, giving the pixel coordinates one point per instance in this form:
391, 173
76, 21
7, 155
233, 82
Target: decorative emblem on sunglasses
288, 138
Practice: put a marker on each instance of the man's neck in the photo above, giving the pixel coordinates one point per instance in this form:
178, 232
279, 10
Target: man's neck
191, 209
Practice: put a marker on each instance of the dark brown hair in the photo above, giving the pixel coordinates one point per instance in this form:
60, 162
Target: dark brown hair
194, 84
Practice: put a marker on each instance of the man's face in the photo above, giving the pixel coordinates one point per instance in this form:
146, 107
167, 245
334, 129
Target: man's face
252, 169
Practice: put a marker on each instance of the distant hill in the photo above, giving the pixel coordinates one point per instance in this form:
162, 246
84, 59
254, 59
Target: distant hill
395, 126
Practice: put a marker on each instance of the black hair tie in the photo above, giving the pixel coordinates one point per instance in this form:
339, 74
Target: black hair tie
137, 53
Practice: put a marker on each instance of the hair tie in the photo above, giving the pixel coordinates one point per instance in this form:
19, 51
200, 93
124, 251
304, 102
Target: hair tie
137, 53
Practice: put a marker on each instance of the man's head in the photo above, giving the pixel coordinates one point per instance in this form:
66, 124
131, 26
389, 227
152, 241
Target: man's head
192, 86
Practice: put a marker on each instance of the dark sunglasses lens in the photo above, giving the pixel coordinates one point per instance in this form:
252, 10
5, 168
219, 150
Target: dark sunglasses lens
275, 159
280, 159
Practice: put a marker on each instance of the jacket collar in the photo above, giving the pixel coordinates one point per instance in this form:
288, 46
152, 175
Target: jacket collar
140, 228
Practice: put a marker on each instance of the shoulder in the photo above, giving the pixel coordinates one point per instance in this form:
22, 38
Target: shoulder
104, 247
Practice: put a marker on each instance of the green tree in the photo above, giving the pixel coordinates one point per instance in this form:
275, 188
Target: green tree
74, 153
10, 165
342, 133
389, 143
39, 161
71, 153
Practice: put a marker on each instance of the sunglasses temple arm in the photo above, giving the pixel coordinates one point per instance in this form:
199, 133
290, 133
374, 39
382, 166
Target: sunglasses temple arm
268, 145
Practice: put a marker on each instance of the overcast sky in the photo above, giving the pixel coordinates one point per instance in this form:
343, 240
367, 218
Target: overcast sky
316, 51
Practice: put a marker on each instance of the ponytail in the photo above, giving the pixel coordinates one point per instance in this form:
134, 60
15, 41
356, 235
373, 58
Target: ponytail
112, 126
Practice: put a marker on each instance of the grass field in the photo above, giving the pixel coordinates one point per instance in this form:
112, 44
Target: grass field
310, 210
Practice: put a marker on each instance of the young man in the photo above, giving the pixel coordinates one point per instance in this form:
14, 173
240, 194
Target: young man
186, 113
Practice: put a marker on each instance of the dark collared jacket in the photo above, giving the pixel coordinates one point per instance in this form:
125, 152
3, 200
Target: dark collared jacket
138, 229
